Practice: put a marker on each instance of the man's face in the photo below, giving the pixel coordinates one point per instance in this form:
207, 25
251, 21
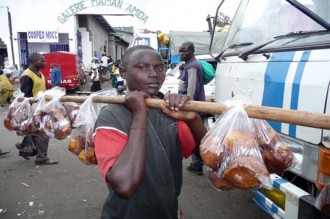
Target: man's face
185, 52
145, 71
40, 63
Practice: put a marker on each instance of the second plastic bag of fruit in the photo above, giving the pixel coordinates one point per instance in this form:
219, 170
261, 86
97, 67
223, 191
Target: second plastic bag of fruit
232, 153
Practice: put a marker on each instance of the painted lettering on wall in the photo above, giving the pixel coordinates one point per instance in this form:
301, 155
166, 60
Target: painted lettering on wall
83, 4
64, 81
42, 36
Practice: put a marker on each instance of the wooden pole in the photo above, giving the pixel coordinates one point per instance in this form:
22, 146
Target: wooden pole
308, 119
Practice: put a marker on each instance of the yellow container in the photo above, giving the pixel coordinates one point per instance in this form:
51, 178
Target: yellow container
277, 196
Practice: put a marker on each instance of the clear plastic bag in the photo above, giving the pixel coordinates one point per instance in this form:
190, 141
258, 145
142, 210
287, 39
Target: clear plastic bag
232, 153
51, 118
81, 142
38, 114
22, 117
72, 110
277, 156
8, 121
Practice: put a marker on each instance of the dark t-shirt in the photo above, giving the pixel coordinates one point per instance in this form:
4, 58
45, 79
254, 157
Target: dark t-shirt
157, 194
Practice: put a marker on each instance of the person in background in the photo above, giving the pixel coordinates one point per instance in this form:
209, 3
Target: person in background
192, 84
32, 82
6, 89
56, 75
104, 60
110, 60
95, 78
116, 66
22, 69
140, 149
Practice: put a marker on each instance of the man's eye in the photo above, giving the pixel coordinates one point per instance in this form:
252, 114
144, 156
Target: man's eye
160, 68
142, 67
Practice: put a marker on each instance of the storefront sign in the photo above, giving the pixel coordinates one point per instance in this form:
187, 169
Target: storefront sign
42, 36
81, 5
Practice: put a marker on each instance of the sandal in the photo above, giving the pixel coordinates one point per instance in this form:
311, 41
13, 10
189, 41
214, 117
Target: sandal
46, 162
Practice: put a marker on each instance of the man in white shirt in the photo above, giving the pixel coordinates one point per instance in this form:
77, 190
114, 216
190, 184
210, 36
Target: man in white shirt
95, 78
104, 60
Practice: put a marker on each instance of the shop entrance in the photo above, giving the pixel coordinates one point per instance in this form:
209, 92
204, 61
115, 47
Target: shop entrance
25, 47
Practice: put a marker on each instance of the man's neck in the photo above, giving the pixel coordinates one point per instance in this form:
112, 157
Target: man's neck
34, 69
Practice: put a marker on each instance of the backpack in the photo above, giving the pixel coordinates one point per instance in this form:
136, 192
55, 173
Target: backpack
208, 71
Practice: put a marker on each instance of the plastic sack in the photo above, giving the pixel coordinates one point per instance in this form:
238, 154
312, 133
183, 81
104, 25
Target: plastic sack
22, 118
81, 142
27, 148
322, 202
276, 155
51, 118
232, 153
38, 114
72, 110
208, 71
8, 121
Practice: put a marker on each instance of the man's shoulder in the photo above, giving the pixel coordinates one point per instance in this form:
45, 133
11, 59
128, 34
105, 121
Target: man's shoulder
27, 72
192, 62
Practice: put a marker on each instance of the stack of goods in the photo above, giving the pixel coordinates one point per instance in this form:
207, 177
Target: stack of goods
240, 152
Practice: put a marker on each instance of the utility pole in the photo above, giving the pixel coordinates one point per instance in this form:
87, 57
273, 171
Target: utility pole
10, 33
11, 36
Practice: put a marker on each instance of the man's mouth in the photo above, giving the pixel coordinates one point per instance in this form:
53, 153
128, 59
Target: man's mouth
154, 85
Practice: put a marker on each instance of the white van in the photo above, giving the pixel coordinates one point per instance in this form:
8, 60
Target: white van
281, 49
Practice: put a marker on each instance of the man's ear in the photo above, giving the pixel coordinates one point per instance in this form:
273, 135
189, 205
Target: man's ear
122, 72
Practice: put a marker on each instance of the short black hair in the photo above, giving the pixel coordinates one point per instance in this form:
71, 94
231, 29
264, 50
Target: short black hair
1, 72
190, 45
34, 57
129, 52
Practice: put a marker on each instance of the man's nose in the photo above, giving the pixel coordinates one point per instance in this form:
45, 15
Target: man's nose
153, 72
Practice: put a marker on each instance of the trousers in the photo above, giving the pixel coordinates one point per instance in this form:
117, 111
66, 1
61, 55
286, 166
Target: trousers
41, 143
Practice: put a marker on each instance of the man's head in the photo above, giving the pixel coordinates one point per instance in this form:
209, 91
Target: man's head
143, 68
24, 66
1, 72
52, 65
186, 51
37, 61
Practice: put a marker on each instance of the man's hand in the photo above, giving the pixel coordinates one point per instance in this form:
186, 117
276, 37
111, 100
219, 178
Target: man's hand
135, 102
174, 103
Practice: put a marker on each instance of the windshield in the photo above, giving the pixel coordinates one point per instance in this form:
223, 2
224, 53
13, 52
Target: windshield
260, 21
